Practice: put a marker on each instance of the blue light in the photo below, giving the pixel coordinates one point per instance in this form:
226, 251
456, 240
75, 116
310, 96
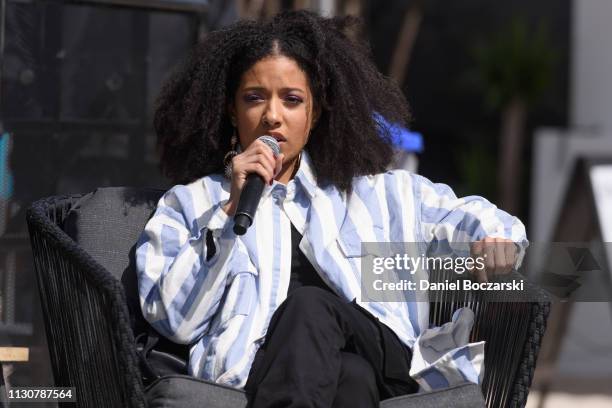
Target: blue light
402, 138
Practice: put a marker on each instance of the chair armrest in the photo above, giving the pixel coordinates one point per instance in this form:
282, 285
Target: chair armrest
86, 318
538, 316
512, 329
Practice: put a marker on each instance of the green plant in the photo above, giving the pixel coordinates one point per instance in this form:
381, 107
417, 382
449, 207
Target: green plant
514, 69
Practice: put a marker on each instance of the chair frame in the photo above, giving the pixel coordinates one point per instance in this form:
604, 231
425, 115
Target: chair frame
92, 345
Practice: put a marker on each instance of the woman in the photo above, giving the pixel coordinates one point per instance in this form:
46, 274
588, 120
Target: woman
278, 311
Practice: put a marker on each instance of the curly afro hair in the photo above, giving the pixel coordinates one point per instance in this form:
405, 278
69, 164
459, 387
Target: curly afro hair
193, 125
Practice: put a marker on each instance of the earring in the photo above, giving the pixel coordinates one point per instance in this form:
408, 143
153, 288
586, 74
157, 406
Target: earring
227, 159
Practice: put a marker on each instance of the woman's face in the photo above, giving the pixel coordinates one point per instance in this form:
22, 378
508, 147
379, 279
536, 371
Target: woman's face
274, 98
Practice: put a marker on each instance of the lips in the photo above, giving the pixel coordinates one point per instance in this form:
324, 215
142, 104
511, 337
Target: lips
279, 137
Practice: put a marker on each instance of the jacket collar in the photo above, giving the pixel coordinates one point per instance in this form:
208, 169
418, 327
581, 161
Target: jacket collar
306, 176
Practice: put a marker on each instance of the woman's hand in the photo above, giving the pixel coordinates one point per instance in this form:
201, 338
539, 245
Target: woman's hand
499, 257
257, 158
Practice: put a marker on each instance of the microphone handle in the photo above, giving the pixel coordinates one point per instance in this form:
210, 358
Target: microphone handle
248, 202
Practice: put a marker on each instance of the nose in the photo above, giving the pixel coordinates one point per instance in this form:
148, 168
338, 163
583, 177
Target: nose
271, 117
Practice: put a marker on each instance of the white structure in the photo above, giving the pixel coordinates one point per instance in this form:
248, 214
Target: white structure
590, 114
587, 346
591, 85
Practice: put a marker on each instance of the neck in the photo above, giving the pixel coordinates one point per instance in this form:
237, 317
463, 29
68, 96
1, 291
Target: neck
288, 171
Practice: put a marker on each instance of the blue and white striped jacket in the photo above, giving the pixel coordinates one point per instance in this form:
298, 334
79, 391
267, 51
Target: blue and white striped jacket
222, 306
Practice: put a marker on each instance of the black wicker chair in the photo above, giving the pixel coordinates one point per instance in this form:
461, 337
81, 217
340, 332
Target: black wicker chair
92, 313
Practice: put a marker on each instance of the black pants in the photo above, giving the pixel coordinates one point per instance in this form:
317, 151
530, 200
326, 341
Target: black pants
321, 351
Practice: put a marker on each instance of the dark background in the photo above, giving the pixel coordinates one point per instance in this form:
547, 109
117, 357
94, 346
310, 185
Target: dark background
78, 85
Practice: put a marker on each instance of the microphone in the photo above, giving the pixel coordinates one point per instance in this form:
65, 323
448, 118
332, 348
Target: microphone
251, 193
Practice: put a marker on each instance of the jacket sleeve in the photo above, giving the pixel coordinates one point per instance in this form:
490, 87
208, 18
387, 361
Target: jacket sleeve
180, 290
449, 223
443, 356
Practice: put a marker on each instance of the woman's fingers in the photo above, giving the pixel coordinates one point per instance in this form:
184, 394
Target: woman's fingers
252, 164
256, 158
510, 251
489, 255
505, 254
499, 255
263, 171
260, 154
481, 275
478, 251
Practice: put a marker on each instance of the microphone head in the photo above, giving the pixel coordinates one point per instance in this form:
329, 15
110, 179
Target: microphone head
271, 143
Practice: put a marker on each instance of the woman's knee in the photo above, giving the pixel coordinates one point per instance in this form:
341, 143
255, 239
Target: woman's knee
357, 383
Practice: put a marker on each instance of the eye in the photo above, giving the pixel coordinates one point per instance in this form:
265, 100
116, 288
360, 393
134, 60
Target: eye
294, 100
252, 98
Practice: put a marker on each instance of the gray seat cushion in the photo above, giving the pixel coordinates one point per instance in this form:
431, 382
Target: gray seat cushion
107, 224
466, 395
180, 391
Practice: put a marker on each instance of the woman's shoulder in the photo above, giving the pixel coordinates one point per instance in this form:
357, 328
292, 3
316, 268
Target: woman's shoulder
391, 179
209, 184
204, 191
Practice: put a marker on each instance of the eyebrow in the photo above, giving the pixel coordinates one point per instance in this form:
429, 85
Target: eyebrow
261, 88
